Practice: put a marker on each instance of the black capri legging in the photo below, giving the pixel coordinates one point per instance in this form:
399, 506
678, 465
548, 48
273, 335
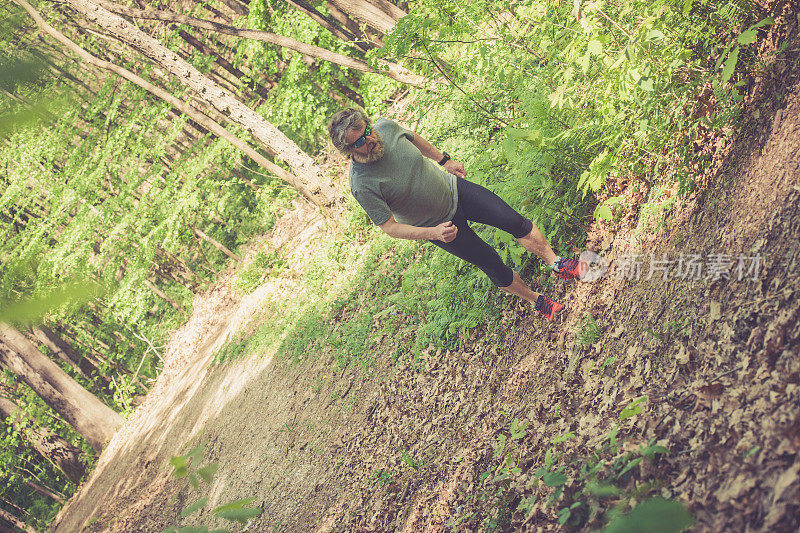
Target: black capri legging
479, 204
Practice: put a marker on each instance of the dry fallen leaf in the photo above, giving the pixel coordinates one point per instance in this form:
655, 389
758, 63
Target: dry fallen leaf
785, 480
683, 355
716, 310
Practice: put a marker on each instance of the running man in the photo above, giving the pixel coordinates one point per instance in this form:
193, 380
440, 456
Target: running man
411, 190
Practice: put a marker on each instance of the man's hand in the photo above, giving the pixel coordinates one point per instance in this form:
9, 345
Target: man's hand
444, 232
455, 167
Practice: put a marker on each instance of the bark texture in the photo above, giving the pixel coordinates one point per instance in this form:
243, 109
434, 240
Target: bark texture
64, 351
52, 447
379, 14
13, 520
90, 417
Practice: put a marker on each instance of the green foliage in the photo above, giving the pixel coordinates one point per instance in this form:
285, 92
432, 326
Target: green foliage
407, 459
307, 93
265, 264
187, 466
656, 515
559, 104
589, 333
584, 490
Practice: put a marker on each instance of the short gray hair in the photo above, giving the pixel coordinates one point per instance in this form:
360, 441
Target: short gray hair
341, 122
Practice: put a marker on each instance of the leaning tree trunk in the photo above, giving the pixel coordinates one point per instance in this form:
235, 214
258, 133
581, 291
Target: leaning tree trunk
379, 14
14, 521
67, 353
393, 70
52, 447
309, 175
44, 491
90, 417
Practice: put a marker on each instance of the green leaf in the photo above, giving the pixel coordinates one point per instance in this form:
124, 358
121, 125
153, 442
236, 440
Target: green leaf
193, 529
33, 309
754, 450
518, 430
595, 47
630, 465
765, 22
239, 515
501, 445
602, 490
654, 516
583, 62
730, 65
509, 148
564, 437
603, 212
747, 37
199, 504
193, 481
722, 57
207, 472
646, 84
554, 479
633, 409
236, 504
196, 452
654, 35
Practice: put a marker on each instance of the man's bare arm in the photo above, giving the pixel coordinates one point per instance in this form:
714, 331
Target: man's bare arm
444, 232
430, 151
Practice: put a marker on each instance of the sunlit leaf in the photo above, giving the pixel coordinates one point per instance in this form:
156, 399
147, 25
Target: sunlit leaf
730, 65
747, 37
554, 479
653, 516
236, 504
199, 504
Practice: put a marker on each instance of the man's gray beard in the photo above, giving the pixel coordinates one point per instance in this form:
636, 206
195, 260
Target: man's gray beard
377, 152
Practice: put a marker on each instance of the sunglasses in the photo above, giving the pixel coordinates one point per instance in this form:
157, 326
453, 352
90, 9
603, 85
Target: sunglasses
363, 139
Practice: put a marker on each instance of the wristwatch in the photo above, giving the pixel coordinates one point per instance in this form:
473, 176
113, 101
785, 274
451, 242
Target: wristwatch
445, 158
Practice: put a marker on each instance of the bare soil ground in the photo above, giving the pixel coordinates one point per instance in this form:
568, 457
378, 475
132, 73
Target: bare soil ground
717, 360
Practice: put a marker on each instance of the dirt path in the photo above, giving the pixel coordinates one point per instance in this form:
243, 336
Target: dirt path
717, 360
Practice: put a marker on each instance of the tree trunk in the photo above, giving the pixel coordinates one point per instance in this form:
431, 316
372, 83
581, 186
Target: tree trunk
216, 244
260, 90
310, 184
347, 34
90, 417
14, 521
44, 491
379, 14
237, 7
394, 71
163, 295
365, 33
68, 354
52, 447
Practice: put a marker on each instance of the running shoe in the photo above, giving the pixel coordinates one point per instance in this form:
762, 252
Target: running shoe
547, 307
568, 268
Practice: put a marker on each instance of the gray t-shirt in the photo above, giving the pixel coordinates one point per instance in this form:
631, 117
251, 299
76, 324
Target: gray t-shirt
403, 182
